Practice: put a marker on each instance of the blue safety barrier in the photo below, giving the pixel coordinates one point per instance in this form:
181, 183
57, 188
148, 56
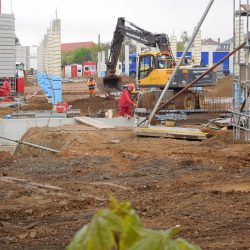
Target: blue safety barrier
57, 89
57, 96
51, 85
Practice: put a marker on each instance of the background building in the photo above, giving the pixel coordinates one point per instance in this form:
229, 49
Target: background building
68, 47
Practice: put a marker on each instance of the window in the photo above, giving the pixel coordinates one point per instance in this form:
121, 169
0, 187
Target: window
146, 64
92, 67
86, 68
164, 62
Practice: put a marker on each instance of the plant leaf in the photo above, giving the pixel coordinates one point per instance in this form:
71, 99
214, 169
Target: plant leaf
100, 233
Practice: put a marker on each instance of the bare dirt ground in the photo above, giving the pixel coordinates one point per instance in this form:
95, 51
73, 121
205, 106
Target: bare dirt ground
202, 186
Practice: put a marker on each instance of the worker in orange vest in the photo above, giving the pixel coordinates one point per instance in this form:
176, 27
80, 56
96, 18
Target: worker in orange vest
91, 84
5, 89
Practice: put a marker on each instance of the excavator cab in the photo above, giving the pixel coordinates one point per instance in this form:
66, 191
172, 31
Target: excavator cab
154, 69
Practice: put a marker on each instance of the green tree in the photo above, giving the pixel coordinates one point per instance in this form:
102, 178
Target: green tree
184, 37
17, 41
180, 46
82, 54
183, 40
96, 48
67, 58
120, 228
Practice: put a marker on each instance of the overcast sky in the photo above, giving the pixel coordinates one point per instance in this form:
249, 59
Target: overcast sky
83, 20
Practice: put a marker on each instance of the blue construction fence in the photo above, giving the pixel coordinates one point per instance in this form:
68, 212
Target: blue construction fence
216, 57
51, 85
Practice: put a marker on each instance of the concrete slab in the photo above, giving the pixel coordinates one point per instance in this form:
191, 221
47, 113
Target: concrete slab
171, 132
107, 123
223, 122
16, 128
11, 104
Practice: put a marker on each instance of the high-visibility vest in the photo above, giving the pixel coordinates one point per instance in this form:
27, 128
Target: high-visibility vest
91, 85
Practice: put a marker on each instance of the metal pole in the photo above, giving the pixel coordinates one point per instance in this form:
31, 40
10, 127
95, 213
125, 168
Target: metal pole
180, 61
234, 19
247, 133
239, 68
30, 144
247, 56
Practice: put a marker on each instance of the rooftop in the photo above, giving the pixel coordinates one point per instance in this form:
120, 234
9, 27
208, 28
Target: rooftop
66, 47
210, 41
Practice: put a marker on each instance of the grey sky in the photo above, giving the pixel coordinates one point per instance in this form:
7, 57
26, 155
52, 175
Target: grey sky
82, 20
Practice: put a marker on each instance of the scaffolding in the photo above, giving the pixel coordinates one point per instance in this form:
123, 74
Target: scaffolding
241, 99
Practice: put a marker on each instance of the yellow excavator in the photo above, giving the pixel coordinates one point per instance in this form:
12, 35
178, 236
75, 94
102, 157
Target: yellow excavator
154, 68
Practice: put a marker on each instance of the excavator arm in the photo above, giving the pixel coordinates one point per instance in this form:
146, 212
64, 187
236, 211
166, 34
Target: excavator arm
159, 41
123, 30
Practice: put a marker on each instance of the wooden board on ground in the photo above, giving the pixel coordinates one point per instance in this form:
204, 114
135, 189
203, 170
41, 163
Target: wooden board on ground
107, 123
222, 122
171, 132
93, 122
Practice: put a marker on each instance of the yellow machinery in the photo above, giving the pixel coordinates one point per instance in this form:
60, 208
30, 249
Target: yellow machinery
154, 68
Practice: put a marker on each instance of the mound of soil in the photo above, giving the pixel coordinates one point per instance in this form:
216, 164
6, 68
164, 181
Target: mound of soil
126, 79
93, 104
223, 88
38, 103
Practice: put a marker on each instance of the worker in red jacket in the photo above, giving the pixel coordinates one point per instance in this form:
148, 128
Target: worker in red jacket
126, 103
5, 89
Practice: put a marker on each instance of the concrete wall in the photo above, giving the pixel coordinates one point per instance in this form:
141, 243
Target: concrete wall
173, 42
23, 56
56, 48
197, 48
16, 128
99, 62
239, 38
7, 45
33, 57
126, 59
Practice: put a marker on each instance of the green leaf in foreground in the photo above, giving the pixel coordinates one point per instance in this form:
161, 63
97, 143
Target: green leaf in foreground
120, 228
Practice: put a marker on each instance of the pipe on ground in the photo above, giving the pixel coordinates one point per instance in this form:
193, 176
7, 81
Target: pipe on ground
30, 144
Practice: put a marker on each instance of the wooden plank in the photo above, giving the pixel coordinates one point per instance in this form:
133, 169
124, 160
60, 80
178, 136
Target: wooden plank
93, 122
175, 132
170, 136
108, 123
223, 122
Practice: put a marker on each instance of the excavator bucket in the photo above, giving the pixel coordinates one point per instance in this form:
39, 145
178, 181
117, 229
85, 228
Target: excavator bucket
112, 84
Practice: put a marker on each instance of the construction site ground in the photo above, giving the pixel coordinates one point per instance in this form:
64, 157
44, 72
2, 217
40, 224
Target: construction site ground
202, 186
